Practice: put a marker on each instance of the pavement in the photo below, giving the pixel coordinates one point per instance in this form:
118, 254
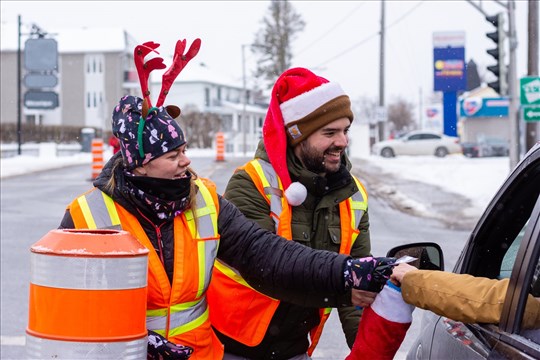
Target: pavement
415, 198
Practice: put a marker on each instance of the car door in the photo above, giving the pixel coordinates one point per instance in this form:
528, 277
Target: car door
412, 145
504, 244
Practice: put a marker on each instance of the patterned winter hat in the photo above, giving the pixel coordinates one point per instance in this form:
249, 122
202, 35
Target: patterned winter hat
143, 139
301, 103
146, 132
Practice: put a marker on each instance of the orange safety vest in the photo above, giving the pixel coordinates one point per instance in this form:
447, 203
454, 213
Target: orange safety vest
241, 312
178, 312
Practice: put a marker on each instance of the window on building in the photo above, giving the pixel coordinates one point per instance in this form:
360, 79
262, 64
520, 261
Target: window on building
94, 65
88, 99
219, 92
206, 97
95, 100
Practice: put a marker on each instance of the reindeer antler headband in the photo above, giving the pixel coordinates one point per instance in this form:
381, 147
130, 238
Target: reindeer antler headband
144, 69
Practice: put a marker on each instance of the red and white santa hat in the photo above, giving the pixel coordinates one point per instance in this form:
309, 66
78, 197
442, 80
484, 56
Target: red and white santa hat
301, 103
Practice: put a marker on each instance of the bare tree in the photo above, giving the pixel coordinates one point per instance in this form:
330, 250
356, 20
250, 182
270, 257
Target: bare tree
200, 128
272, 44
400, 115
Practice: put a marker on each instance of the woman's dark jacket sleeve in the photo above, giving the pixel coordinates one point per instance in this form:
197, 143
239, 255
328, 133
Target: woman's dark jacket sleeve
279, 268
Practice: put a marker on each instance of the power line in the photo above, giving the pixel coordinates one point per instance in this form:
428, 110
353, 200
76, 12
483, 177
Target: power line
372, 35
329, 31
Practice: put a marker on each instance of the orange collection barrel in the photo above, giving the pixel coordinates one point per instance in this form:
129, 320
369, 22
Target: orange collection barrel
97, 157
220, 146
87, 296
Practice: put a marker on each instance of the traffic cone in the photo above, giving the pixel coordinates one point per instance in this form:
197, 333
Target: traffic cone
87, 296
97, 157
220, 146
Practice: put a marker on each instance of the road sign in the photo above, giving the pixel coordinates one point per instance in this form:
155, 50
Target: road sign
530, 90
531, 113
40, 54
45, 100
38, 81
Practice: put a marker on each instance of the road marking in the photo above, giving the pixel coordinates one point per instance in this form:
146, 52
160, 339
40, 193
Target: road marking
12, 340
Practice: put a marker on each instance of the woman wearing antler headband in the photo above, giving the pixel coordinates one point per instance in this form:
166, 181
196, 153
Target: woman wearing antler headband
149, 190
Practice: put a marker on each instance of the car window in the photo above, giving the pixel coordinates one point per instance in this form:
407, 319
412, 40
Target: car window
510, 257
534, 334
493, 246
430, 137
415, 137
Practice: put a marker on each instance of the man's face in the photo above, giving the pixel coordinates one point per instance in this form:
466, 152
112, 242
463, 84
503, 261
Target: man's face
321, 151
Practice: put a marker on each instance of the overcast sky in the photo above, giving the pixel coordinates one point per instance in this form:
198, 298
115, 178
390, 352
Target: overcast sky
339, 41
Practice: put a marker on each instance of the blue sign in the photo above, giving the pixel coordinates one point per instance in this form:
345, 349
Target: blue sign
484, 107
449, 69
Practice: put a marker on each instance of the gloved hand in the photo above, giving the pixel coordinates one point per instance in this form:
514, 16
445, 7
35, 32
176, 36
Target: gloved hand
369, 273
160, 348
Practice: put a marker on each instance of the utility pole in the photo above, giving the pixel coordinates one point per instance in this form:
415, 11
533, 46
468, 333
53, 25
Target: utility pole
532, 128
513, 107
381, 122
244, 92
19, 90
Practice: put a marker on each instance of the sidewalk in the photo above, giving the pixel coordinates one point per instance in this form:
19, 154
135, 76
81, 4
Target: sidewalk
416, 198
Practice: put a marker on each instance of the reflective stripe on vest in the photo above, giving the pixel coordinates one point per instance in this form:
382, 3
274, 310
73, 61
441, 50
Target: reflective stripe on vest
204, 226
258, 309
99, 211
182, 318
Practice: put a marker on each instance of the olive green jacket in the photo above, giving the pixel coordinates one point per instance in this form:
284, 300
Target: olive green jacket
463, 297
315, 223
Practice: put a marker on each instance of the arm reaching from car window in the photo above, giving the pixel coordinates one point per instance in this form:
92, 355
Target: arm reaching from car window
460, 297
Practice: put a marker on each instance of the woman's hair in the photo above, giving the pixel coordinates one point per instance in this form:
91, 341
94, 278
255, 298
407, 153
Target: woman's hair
111, 184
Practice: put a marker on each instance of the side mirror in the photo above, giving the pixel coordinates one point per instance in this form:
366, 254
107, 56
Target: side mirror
429, 255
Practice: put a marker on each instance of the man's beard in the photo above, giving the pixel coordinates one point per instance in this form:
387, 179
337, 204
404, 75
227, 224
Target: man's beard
313, 159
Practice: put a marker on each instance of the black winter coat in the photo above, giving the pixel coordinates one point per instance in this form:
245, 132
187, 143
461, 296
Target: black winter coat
308, 277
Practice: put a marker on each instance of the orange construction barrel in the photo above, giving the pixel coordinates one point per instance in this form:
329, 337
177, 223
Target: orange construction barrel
97, 157
87, 296
220, 146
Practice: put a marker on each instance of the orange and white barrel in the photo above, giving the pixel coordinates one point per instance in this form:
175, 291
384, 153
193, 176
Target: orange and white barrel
87, 296
97, 157
220, 146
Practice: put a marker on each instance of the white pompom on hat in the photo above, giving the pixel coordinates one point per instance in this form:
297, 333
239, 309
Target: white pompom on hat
301, 103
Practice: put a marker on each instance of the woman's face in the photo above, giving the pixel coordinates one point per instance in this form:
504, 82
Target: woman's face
171, 165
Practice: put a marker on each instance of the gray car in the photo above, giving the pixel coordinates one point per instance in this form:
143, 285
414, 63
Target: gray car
505, 243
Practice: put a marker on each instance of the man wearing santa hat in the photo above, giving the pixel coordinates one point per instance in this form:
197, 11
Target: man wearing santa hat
299, 185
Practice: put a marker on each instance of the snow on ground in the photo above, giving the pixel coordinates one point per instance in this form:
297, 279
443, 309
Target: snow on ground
477, 179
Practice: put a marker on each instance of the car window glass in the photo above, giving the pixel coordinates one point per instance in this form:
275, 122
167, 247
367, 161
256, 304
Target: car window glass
510, 257
415, 137
430, 137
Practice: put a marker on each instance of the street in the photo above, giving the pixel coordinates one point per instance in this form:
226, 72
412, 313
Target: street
33, 204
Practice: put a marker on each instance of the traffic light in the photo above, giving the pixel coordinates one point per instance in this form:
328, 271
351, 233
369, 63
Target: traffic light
499, 69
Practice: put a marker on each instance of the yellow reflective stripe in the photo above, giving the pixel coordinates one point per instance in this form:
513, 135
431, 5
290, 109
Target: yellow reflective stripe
174, 308
190, 325
111, 209
231, 273
203, 211
86, 212
201, 254
260, 172
157, 312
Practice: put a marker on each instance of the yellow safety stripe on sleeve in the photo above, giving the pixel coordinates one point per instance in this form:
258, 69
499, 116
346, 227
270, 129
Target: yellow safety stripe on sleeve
231, 273
86, 212
111, 208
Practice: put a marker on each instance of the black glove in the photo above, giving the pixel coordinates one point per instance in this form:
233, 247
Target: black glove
369, 273
160, 348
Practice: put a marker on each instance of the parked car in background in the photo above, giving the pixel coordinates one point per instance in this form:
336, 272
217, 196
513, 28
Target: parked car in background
489, 146
418, 143
505, 244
